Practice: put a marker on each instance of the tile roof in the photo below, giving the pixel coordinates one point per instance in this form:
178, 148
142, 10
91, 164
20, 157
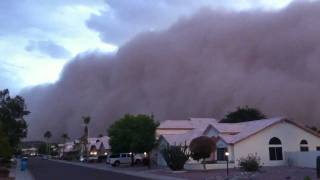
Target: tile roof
97, 142
192, 123
249, 128
229, 132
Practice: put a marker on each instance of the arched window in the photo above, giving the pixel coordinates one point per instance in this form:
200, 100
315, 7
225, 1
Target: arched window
275, 149
274, 140
304, 145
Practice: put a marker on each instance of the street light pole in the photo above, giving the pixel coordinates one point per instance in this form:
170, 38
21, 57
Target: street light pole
227, 155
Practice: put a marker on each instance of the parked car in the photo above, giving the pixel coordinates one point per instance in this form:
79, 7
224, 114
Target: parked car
123, 158
138, 158
92, 158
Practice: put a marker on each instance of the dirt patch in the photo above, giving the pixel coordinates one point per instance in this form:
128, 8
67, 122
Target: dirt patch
266, 173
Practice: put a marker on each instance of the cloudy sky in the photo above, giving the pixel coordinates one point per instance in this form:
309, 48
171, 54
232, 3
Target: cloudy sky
37, 38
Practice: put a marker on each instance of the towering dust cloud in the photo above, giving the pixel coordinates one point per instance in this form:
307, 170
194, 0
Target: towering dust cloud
202, 66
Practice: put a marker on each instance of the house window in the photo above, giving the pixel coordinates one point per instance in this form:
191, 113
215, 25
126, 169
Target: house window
318, 148
221, 154
275, 149
304, 146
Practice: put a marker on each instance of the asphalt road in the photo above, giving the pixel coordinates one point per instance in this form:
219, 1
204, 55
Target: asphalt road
50, 170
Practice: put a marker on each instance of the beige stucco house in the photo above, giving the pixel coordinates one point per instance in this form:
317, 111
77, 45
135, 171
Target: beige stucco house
269, 139
97, 146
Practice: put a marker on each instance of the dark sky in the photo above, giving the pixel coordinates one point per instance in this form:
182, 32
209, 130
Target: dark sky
37, 38
202, 65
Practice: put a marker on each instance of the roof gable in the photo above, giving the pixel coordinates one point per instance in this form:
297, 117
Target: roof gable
254, 127
250, 128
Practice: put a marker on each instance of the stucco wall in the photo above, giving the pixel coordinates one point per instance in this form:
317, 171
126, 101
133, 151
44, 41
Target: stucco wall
212, 132
290, 136
303, 159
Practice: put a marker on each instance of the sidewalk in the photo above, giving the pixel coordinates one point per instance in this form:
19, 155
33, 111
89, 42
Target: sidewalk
20, 175
143, 174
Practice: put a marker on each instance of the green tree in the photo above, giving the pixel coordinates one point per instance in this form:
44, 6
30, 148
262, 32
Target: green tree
242, 115
133, 133
86, 121
12, 113
201, 148
65, 137
47, 135
6, 150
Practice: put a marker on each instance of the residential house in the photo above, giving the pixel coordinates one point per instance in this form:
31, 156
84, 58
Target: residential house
70, 147
99, 146
269, 139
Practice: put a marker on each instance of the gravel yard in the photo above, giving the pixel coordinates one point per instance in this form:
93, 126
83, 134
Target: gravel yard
266, 173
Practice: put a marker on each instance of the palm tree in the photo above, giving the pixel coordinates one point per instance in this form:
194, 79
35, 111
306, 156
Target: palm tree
86, 121
47, 135
65, 137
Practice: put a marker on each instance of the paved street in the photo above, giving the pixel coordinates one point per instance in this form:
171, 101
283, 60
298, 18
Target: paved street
50, 170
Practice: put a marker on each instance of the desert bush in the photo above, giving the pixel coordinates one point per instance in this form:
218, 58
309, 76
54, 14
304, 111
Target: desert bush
250, 163
175, 156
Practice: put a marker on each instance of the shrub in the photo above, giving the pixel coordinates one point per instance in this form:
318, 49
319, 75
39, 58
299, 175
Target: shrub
250, 163
146, 161
175, 156
307, 178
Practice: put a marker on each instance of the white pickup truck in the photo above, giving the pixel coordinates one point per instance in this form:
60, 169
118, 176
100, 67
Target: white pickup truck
124, 158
